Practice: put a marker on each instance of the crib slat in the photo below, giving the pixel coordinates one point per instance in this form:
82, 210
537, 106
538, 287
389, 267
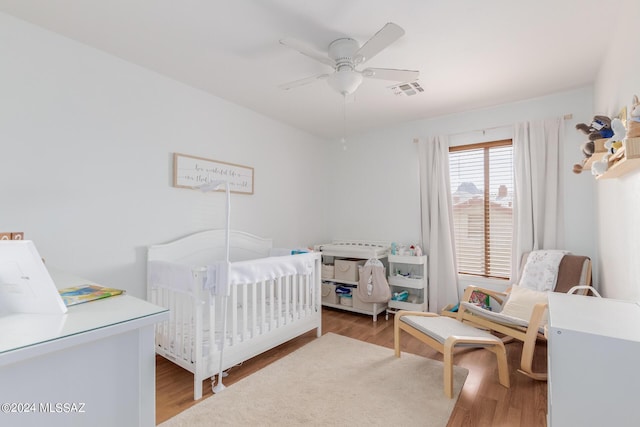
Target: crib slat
213, 300
233, 310
173, 336
287, 298
184, 331
308, 295
263, 307
303, 296
279, 300
302, 309
254, 310
245, 312
294, 297
272, 302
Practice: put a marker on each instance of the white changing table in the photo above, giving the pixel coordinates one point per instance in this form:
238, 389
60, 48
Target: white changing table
343, 249
93, 366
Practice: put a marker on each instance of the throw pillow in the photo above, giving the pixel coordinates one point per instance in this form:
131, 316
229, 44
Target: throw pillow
521, 302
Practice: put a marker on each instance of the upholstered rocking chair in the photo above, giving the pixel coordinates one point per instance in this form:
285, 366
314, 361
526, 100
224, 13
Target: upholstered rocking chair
523, 312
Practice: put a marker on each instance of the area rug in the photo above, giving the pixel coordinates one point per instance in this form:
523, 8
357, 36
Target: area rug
333, 380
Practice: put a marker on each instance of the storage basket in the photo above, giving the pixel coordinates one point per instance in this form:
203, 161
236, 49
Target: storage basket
347, 269
346, 300
329, 295
327, 271
361, 305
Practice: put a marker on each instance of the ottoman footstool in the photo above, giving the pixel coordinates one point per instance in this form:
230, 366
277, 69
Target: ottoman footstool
444, 334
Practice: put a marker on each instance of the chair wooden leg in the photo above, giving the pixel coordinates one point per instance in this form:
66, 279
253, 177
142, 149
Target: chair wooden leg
448, 367
503, 367
396, 335
529, 345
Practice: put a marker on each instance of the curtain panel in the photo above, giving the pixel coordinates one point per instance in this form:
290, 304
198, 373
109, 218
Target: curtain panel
437, 222
539, 210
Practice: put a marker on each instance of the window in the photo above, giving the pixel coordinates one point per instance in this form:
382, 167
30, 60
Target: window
482, 194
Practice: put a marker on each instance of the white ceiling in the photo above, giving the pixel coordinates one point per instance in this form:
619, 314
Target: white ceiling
470, 53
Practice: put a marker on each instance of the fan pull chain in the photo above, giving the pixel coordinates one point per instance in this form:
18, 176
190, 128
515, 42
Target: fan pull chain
343, 140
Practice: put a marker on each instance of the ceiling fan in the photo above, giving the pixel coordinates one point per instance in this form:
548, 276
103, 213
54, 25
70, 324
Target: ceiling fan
345, 54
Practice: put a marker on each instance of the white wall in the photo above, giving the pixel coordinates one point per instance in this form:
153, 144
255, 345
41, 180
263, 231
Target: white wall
375, 186
86, 142
619, 199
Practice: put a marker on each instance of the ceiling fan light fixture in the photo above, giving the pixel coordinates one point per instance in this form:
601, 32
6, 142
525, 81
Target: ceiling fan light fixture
345, 53
345, 82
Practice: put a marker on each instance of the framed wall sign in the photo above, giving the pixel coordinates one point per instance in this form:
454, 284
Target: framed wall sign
192, 172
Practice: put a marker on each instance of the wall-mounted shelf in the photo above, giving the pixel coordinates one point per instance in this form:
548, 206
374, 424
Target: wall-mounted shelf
623, 161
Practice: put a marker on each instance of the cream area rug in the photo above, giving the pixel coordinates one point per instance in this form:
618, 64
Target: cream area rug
333, 381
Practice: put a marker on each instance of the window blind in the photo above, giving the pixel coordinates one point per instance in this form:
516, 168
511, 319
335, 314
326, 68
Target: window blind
482, 195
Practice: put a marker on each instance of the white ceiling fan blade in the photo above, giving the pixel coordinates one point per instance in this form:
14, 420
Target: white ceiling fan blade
307, 50
302, 82
391, 74
380, 40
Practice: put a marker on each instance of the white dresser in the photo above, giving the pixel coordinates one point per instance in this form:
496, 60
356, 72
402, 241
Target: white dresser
593, 355
93, 366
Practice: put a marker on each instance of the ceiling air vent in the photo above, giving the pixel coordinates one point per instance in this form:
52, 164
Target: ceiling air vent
407, 89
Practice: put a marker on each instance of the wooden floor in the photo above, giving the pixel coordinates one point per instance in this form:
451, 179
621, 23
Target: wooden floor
482, 402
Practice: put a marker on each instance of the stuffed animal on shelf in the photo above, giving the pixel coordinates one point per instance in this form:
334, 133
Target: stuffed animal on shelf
578, 167
633, 122
599, 128
619, 133
601, 166
588, 149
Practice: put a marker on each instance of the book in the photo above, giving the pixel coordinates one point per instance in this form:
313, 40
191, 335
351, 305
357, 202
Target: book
480, 299
85, 293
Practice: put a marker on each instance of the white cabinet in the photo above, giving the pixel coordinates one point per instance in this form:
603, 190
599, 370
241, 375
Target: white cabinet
593, 350
93, 366
408, 273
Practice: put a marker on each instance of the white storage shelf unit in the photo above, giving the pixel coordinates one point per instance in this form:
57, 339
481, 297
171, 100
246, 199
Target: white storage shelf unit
408, 273
344, 250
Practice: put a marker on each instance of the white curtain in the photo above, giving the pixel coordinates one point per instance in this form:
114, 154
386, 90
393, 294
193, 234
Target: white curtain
437, 222
539, 211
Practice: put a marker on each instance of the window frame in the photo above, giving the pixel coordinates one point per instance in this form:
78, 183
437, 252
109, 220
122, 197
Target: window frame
485, 146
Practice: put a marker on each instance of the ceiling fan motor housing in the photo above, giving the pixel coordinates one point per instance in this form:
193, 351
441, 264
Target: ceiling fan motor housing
343, 51
345, 80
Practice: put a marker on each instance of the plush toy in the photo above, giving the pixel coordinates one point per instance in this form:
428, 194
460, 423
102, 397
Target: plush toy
633, 122
577, 168
619, 133
599, 128
588, 148
601, 166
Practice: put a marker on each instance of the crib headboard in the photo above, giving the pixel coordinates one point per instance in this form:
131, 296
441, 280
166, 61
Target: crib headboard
201, 248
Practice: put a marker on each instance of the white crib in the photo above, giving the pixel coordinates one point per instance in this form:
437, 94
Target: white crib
275, 299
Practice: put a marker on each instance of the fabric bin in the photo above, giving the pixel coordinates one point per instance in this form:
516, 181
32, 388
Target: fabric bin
361, 305
346, 300
329, 295
347, 269
327, 271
